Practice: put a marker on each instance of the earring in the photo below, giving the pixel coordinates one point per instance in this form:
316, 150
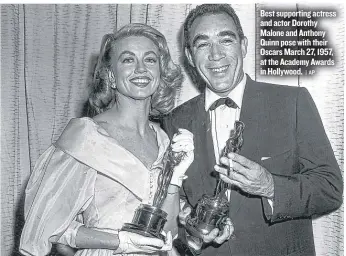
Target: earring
113, 86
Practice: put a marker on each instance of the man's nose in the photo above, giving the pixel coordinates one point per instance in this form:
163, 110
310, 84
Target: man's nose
216, 53
140, 67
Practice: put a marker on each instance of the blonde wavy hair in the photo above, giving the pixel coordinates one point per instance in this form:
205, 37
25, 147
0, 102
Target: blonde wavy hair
102, 96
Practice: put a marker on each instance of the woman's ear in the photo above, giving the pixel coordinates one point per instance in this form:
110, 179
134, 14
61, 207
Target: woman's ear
111, 79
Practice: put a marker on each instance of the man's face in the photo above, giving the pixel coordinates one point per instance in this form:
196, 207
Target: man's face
217, 51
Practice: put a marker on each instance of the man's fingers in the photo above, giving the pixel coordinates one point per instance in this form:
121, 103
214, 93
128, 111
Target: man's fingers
231, 181
226, 179
242, 160
226, 161
230, 175
211, 236
194, 242
234, 166
221, 170
224, 234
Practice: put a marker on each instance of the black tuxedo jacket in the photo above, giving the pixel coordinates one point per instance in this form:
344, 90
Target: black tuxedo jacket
282, 125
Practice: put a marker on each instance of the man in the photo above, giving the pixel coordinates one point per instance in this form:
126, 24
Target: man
286, 171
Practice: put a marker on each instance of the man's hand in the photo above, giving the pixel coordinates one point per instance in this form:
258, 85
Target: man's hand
214, 236
246, 175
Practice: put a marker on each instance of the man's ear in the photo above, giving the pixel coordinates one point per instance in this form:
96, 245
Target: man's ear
189, 57
244, 46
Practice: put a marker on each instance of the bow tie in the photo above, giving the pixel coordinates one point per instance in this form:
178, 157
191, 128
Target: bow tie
223, 101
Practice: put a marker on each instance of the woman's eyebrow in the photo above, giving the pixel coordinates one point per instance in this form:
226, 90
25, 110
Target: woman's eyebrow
150, 52
126, 52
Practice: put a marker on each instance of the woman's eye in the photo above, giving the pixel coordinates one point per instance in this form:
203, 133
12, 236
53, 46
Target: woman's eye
150, 60
128, 60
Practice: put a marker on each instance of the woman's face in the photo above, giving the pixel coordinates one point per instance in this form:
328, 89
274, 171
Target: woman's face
136, 67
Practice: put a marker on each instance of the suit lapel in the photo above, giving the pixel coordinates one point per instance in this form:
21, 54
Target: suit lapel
251, 112
205, 146
200, 180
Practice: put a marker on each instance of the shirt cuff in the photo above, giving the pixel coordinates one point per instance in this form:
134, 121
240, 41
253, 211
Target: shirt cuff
69, 236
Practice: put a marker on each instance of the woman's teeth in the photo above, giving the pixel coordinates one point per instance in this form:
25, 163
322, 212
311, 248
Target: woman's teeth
141, 81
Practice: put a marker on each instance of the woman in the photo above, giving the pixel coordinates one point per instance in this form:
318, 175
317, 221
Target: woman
89, 183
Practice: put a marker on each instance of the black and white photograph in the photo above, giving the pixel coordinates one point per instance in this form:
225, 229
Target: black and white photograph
190, 129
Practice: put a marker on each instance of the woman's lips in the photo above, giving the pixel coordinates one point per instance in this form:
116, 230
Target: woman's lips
140, 81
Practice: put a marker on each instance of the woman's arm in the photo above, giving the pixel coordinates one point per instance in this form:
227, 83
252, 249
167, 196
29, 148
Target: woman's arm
172, 207
87, 238
123, 242
65, 250
94, 239
182, 142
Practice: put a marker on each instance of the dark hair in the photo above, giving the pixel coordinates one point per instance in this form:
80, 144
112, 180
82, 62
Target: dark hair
102, 96
208, 9
201, 10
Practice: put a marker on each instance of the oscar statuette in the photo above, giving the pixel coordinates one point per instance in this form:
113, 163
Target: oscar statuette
211, 211
149, 220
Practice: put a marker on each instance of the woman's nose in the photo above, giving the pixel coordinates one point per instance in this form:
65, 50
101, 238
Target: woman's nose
216, 53
140, 67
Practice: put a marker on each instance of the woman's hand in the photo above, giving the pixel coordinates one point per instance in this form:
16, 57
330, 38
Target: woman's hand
135, 243
182, 142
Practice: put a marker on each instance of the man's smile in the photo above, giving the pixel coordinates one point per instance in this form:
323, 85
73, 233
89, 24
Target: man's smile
219, 70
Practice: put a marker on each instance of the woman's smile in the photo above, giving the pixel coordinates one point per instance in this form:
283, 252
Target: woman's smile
141, 81
137, 67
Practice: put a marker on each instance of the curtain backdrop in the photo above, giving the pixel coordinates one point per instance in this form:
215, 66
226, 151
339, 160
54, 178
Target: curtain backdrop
47, 57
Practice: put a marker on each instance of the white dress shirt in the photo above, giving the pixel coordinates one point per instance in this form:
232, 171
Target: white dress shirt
221, 130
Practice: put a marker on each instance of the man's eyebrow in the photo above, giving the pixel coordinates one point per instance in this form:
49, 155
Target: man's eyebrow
126, 52
199, 37
227, 33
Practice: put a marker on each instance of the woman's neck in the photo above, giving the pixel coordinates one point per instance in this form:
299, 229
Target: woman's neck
132, 113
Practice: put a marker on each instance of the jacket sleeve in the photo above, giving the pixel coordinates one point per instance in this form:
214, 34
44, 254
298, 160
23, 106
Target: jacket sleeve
167, 125
317, 187
58, 190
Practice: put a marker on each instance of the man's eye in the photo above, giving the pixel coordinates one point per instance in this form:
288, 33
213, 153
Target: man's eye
150, 60
128, 60
202, 45
227, 41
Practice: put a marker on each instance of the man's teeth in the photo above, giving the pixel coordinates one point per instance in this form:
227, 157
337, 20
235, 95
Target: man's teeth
141, 81
218, 70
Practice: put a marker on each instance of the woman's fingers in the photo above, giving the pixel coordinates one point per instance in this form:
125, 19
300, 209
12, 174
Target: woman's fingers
184, 214
168, 242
